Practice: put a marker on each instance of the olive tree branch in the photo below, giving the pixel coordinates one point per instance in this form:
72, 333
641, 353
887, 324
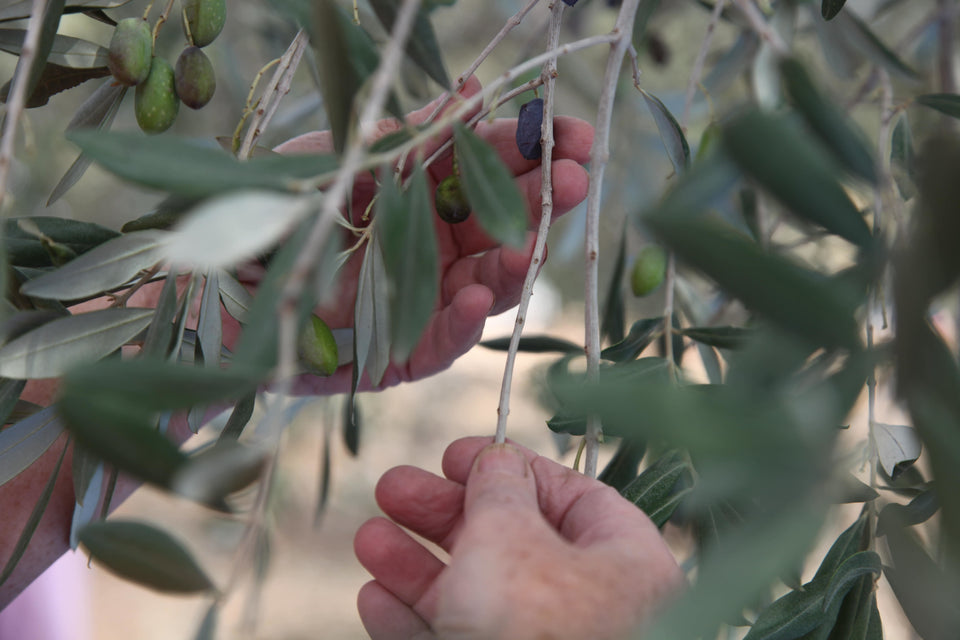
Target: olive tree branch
274, 92
18, 94
599, 155
760, 26
549, 77
510, 25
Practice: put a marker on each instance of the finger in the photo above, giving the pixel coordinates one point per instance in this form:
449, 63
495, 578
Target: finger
573, 138
570, 184
501, 490
425, 503
583, 509
400, 564
451, 332
385, 617
501, 270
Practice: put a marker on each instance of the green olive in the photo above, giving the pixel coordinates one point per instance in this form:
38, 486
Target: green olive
451, 202
649, 270
131, 51
155, 102
318, 347
203, 20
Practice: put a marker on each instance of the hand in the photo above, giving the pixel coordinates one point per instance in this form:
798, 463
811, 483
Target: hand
478, 277
537, 550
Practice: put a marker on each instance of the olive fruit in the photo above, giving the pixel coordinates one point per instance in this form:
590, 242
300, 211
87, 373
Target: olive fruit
450, 201
155, 101
648, 270
203, 20
318, 347
194, 78
528, 129
131, 50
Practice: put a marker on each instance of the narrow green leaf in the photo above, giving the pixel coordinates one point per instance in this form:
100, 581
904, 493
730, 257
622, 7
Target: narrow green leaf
50, 22
830, 8
158, 341
85, 511
47, 352
22, 443
421, 45
674, 142
119, 433
372, 314
351, 423
491, 189
239, 417
25, 248
323, 473
183, 167
644, 12
656, 485
791, 616
828, 121
794, 171
83, 467
156, 386
101, 269
641, 334
411, 259
210, 476
897, 445
917, 511
65, 50
614, 313
945, 103
719, 337
30, 526
97, 111
853, 568
144, 554
535, 344
872, 47
234, 296
208, 626
797, 299
903, 158
209, 324
622, 468
10, 391
21, 10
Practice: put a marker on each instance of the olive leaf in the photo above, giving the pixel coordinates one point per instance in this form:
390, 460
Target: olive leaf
24, 247
216, 234
421, 45
411, 257
103, 268
372, 314
491, 189
671, 134
48, 351
22, 443
871, 46
614, 312
898, 447
186, 168
830, 8
65, 51
534, 344
144, 554
654, 490
234, 296
22, 9
50, 22
945, 103
720, 337
85, 511
209, 324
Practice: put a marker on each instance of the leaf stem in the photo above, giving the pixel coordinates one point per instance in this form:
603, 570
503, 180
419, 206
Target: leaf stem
549, 76
599, 155
760, 26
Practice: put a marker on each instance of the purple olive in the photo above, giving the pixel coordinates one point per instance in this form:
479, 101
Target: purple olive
528, 129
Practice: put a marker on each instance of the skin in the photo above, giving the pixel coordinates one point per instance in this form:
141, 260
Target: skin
537, 551
474, 519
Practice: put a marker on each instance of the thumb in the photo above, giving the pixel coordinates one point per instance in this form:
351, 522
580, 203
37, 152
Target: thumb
501, 485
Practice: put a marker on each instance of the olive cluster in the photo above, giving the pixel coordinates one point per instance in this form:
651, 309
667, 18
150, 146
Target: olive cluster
160, 87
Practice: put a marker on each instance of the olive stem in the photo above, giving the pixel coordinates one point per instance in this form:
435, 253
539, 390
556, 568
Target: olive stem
549, 76
599, 155
697, 72
278, 88
18, 94
510, 25
162, 19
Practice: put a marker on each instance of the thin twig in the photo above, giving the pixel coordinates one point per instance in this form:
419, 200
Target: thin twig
278, 88
599, 155
549, 76
510, 25
697, 72
18, 95
760, 26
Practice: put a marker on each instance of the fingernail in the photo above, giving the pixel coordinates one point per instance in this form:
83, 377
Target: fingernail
502, 458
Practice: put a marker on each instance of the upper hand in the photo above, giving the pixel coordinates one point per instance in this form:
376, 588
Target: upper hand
478, 277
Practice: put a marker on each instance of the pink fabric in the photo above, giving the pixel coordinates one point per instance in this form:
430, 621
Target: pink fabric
55, 607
